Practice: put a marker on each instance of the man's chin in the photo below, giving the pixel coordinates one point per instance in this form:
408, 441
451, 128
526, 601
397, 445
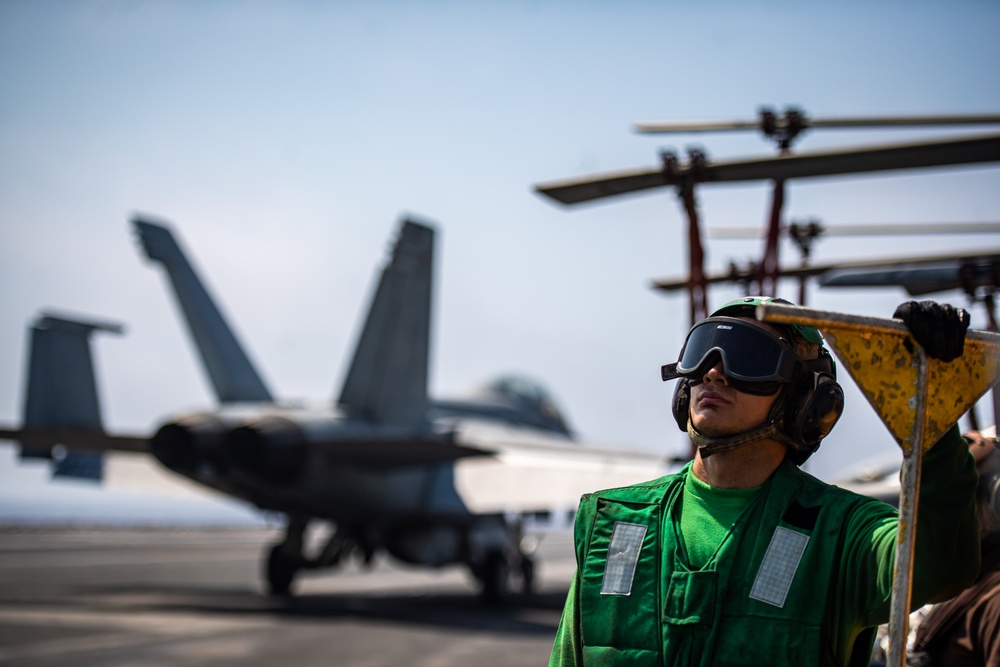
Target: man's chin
710, 430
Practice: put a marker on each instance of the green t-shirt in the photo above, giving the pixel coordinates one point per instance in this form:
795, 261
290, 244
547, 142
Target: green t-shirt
707, 514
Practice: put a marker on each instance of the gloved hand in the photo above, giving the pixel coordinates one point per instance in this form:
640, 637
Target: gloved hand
937, 327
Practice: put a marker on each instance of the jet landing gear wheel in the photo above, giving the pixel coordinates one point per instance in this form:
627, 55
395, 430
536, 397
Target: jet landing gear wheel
285, 558
503, 577
527, 575
495, 579
280, 571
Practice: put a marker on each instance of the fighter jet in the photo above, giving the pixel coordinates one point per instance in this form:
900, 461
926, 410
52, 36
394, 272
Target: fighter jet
430, 482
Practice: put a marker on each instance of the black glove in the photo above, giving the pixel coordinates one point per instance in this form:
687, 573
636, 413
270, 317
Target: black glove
937, 327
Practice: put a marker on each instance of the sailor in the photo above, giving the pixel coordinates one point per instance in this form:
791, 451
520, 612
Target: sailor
742, 558
965, 631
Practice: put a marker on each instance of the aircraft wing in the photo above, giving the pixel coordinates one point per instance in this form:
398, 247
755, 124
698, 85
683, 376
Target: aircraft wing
388, 453
393, 453
75, 438
804, 165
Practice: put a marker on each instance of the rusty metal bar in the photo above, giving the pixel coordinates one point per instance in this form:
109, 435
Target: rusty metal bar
783, 314
906, 534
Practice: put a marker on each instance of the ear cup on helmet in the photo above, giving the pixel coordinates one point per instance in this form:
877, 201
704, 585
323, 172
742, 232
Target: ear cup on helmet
812, 412
681, 404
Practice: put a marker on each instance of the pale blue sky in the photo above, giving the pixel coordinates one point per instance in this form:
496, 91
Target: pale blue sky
285, 140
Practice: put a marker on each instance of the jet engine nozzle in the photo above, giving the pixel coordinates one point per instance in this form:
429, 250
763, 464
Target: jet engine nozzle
272, 448
190, 444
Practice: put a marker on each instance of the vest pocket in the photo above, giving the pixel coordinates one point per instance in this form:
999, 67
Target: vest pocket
766, 641
690, 597
619, 577
609, 656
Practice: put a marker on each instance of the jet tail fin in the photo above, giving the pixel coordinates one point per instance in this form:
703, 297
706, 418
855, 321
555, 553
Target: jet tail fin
61, 391
387, 379
229, 369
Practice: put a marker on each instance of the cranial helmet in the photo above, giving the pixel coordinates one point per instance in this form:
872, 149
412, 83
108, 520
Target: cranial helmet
747, 307
757, 362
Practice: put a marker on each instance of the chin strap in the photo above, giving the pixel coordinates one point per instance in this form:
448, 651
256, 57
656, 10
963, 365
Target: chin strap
708, 446
772, 429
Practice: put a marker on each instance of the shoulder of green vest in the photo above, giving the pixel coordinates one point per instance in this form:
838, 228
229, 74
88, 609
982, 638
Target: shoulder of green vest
643, 492
810, 491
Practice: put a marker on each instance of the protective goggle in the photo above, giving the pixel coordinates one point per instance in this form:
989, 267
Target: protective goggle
753, 359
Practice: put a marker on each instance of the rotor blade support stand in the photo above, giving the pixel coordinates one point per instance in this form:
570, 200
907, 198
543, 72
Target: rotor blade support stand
918, 399
697, 283
769, 264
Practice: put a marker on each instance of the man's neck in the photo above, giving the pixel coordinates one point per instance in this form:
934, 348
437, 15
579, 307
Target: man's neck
740, 468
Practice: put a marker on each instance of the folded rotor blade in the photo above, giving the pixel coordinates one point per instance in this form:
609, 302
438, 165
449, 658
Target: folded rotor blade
981, 268
968, 150
780, 122
865, 229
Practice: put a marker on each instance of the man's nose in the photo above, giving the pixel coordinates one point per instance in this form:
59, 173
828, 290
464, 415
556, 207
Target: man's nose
715, 374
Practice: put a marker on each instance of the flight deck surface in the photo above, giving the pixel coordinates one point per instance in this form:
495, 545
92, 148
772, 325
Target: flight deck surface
194, 597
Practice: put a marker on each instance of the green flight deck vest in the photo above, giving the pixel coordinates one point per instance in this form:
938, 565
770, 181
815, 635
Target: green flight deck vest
802, 578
